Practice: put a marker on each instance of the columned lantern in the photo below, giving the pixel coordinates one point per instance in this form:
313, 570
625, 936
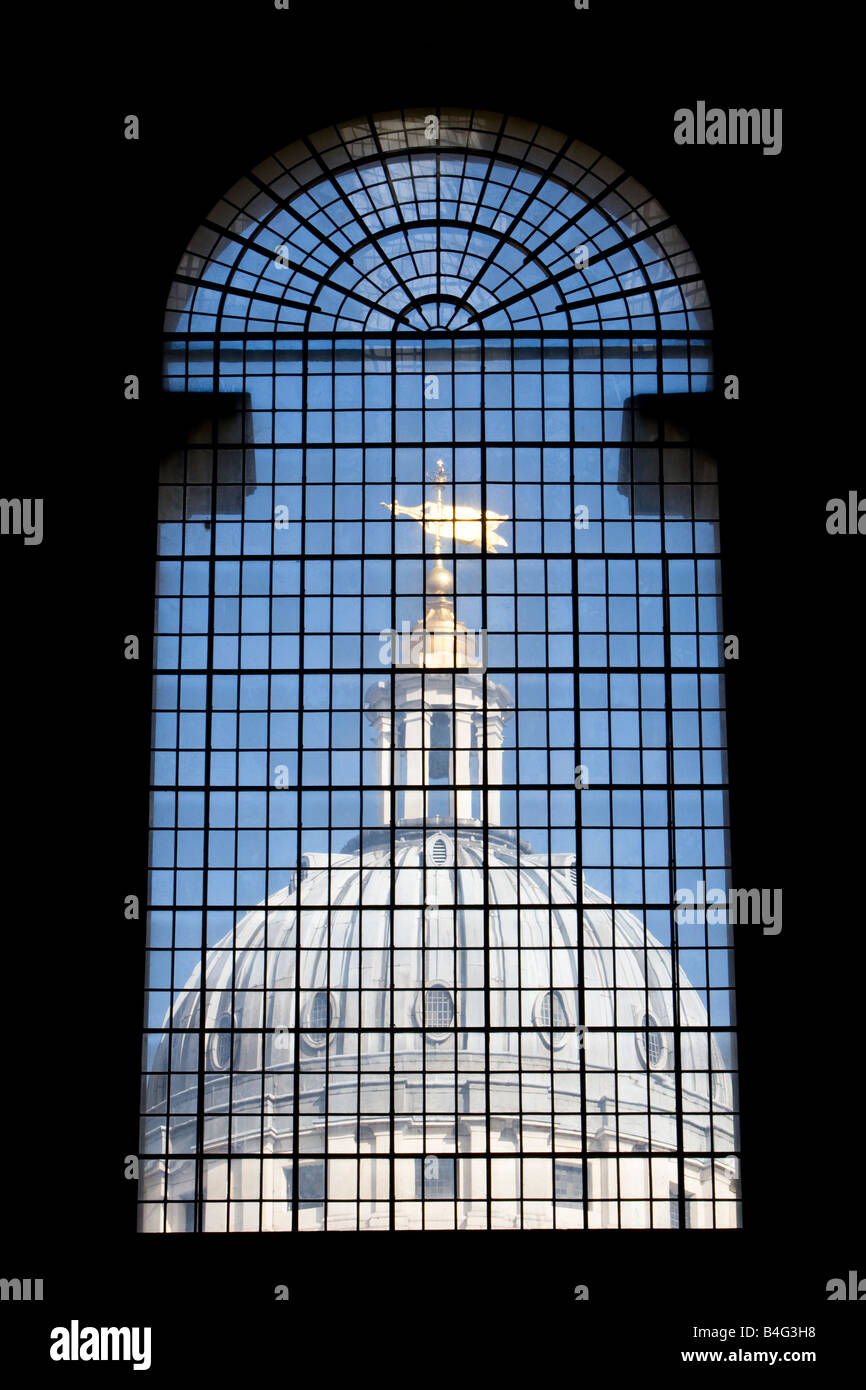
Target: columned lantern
439, 719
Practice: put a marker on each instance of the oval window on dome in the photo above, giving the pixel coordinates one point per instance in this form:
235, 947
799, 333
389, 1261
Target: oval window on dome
650, 1043
319, 1017
550, 1012
438, 1009
221, 1046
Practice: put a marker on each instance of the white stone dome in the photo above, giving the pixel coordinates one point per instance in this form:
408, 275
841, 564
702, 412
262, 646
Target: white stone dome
522, 985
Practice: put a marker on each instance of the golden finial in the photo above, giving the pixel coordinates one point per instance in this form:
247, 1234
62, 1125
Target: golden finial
465, 524
441, 639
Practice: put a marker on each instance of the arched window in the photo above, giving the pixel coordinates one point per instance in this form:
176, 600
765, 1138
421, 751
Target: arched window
438, 851
446, 384
439, 762
533, 231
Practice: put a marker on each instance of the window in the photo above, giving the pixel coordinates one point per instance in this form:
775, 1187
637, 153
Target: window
320, 1017
320, 1012
650, 1042
311, 1181
438, 1009
551, 1011
568, 1182
675, 1209
222, 1044
440, 747
441, 532
434, 1178
439, 851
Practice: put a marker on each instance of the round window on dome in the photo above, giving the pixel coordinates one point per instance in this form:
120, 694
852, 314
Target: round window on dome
438, 1009
650, 1043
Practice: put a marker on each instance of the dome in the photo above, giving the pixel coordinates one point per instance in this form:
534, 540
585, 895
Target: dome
523, 984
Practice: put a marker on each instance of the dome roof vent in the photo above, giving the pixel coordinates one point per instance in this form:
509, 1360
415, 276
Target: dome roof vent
439, 851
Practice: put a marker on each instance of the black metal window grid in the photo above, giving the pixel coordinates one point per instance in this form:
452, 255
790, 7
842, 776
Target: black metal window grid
302, 1069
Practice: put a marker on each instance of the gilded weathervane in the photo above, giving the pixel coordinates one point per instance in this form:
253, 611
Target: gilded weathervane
453, 523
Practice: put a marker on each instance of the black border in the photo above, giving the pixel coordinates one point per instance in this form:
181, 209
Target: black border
103, 222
